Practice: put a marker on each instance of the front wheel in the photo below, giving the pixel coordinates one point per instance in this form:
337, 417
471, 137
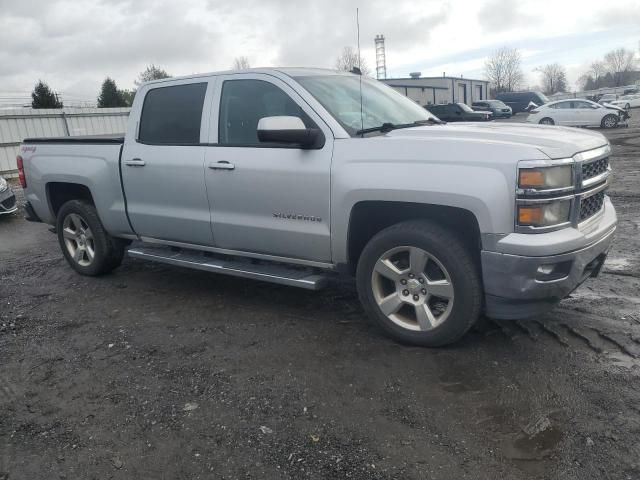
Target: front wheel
87, 247
609, 121
547, 121
627, 106
420, 284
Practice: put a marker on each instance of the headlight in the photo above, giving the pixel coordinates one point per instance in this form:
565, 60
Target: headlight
3, 184
544, 214
546, 178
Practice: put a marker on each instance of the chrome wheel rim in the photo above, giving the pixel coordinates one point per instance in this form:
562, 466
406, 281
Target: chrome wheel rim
546, 121
412, 288
609, 122
78, 239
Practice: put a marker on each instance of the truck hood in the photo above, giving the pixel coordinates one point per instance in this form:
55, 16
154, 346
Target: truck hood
555, 142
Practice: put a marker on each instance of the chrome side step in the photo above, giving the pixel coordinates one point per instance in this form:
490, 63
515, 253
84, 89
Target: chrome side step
302, 277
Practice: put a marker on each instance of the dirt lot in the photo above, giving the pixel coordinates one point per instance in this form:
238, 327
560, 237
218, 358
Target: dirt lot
156, 372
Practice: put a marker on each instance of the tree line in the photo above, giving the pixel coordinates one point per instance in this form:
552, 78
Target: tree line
503, 69
110, 95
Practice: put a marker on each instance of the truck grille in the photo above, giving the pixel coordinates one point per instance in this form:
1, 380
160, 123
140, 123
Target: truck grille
591, 205
593, 169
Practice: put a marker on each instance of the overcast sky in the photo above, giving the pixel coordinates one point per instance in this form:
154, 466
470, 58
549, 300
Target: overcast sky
74, 45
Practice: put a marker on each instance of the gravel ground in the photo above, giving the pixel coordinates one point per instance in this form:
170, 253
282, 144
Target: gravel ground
157, 372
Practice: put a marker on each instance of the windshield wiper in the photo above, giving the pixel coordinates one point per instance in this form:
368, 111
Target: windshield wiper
387, 126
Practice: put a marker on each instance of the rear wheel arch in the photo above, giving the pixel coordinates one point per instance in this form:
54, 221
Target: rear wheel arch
59, 193
368, 218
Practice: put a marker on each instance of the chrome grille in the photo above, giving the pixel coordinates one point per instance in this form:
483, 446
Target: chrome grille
593, 169
591, 205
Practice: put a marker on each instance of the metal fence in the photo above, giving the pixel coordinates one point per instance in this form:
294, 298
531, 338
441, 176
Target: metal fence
18, 124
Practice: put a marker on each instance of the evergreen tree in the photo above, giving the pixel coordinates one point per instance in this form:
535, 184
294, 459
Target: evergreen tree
127, 96
110, 96
151, 73
43, 97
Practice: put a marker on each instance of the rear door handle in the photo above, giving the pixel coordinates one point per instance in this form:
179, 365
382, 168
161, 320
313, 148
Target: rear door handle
222, 165
134, 162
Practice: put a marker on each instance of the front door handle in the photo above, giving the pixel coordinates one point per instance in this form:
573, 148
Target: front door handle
222, 165
134, 162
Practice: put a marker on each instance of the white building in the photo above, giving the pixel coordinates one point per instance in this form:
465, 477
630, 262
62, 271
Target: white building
435, 90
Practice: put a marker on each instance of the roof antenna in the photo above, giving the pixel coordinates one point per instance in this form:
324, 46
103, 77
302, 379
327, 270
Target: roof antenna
359, 72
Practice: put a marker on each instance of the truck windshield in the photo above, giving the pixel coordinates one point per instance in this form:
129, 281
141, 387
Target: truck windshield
340, 95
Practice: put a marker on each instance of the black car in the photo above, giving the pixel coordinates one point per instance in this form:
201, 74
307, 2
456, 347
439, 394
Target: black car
496, 107
520, 101
458, 112
7, 198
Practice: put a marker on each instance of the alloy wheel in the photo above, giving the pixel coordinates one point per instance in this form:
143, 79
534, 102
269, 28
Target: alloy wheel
412, 288
78, 238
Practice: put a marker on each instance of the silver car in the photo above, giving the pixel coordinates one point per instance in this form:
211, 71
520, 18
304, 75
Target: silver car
7, 198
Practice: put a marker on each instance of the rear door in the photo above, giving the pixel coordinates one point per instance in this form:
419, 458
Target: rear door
266, 198
163, 163
563, 113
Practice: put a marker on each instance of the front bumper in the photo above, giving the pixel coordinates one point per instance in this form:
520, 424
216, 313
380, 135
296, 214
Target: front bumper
8, 202
520, 286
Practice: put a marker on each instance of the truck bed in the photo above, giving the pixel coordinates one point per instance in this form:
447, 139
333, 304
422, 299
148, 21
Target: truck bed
93, 139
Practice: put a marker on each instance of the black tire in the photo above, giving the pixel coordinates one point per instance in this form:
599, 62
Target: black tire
609, 121
108, 251
627, 107
452, 254
546, 121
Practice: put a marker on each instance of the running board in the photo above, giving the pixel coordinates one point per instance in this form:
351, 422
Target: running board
293, 276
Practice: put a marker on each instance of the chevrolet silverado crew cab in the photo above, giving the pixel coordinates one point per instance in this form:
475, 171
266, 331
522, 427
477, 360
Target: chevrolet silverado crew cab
294, 175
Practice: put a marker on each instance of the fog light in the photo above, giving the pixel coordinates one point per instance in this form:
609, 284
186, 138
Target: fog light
546, 269
553, 271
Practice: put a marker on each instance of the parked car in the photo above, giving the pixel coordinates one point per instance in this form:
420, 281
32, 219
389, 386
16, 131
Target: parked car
578, 113
607, 98
627, 102
458, 112
7, 198
293, 176
497, 108
521, 101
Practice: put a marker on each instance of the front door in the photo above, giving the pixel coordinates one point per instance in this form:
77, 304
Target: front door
266, 198
163, 165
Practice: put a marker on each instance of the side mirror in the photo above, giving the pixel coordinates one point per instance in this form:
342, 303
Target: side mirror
288, 130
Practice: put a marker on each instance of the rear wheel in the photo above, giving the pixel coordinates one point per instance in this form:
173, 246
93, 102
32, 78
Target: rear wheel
419, 284
609, 121
627, 107
547, 121
88, 248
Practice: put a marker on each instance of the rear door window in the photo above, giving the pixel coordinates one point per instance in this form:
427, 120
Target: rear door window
172, 115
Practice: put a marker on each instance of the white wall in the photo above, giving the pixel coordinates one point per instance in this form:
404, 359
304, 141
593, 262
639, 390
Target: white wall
18, 124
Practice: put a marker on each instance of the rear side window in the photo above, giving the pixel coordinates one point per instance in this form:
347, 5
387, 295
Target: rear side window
172, 115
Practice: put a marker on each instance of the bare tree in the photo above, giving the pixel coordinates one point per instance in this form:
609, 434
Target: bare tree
554, 78
504, 69
349, 59
619, 62
241, 63
151, 73
597, 71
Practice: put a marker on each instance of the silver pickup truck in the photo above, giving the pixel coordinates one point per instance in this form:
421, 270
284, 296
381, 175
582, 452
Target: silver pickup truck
294, 175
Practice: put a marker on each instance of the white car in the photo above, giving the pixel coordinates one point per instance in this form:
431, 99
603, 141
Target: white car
627, 102
607, 98
576, 113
